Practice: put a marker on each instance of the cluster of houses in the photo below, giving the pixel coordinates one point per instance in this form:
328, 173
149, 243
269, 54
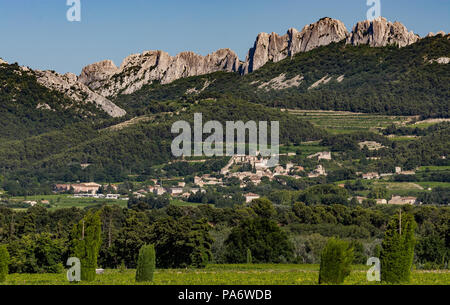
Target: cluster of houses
174, 191
259, 169
90, 187
375, 175
33, 202
396, 200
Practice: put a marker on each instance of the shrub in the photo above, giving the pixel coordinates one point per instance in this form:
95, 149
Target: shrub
146, 264
4, 262
397, 252
36, 253
335, 262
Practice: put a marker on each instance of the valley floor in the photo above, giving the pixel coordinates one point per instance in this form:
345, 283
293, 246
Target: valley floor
269, 274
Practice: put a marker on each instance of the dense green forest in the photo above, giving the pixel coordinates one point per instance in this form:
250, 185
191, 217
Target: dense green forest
38, 240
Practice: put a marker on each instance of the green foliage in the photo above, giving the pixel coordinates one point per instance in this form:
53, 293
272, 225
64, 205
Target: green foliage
86, 241
266, 241
335, 262
181, 242
146, 264
36, 253
398, 249
263, 208
4, 262
249, 256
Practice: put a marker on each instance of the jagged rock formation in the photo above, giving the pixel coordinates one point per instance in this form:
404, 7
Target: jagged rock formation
69, 85
380, 33
440, 60
140, 69
431, 34
107, 80
272, 47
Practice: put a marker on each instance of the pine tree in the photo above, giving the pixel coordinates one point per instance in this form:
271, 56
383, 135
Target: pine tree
335, 262
86, 242
4, 262
397, 252
146, 264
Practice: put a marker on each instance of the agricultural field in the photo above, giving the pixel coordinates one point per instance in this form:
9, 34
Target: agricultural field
228, 275
67, 201
341, 122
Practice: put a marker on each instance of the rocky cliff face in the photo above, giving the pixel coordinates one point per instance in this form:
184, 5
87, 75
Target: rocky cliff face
272, 47
69, 85
140, 69
380, 33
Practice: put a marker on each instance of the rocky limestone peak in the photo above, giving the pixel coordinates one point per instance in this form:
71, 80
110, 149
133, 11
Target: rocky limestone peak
272, 47
138, 70
380, 33
440, 33
91, 74
70, 86
2, 61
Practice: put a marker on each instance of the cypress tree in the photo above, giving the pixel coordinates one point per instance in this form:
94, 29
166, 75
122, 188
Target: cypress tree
86, 242
249, 257
335, 262
397, 252
146, 264
4, 262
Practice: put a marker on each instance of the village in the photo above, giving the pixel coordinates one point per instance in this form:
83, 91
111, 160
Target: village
256, 170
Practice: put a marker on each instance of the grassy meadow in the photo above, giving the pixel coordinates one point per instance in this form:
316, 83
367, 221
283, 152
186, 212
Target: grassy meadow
266, 274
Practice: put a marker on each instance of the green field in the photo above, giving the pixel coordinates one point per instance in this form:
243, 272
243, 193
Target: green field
228, 275
66, 201
341, 122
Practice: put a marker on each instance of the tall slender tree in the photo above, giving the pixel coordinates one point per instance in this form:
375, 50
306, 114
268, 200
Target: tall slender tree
397, 252
86, 242
4, 262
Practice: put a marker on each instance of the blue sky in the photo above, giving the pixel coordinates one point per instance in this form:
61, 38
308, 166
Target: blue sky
37, 33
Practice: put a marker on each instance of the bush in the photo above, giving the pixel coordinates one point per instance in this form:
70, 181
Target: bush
335, 262
36, 253
4, 262
397, 252
146, 264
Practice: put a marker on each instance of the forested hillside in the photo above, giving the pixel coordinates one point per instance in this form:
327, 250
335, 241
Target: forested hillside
114, 153
28, 108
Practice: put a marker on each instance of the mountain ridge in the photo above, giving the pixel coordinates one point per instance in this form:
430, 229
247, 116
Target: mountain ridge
159, 66
100, 83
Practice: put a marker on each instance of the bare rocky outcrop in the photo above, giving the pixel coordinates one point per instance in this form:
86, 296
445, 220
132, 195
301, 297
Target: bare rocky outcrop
140, 69
440, 60
440, 33
380, 33
158, 66
2, 61
272, 47
280, 83
69, 85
